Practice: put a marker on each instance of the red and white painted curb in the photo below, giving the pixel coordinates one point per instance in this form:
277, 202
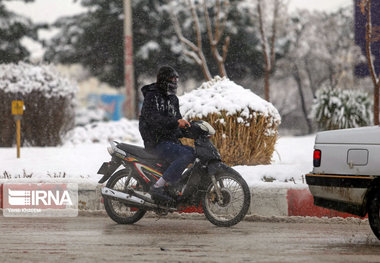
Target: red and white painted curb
300, 203
264, 202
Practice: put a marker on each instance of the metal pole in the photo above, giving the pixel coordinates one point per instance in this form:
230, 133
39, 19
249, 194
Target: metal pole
18, 131
129, 81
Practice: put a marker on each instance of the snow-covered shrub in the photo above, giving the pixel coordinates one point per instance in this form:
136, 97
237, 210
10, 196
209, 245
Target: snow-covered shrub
103, 132
246, 125
84, 116
48, 100
341, 109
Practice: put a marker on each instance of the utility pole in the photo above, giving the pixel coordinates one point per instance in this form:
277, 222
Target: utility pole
129, 80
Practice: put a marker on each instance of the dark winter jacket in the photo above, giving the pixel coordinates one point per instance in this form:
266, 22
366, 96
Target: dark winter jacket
159, 117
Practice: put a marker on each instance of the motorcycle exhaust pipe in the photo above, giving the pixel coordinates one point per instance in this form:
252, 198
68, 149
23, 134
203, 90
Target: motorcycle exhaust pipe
123, 196
131, 199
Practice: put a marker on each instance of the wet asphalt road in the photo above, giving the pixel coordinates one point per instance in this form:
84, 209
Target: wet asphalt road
98, 239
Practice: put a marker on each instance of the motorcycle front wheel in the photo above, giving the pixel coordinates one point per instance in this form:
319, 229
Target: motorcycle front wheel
119, 211
235, 201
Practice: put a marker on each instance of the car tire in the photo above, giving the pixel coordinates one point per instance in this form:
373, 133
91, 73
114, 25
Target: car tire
374, 213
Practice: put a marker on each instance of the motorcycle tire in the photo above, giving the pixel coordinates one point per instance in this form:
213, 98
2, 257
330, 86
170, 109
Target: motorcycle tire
236, 196
119, 211
374, 213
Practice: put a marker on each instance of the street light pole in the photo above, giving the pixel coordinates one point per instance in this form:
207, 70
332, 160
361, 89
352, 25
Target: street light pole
129, 81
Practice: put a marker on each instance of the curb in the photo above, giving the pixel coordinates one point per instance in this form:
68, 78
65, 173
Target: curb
265, 202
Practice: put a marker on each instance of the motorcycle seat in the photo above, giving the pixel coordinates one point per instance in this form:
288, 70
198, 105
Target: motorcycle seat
137, 151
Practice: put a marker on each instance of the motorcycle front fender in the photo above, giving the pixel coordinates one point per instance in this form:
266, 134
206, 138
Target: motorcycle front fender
217, 167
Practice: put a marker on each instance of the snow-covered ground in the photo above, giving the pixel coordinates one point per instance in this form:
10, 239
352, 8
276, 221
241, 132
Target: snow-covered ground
79, 159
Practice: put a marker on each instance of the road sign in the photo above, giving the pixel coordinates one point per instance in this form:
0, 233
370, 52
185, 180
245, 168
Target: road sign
17, 107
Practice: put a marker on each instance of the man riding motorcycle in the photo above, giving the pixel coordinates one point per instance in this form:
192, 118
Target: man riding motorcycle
159, 124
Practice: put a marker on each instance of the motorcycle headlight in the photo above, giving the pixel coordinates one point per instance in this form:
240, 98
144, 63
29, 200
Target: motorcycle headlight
110, 150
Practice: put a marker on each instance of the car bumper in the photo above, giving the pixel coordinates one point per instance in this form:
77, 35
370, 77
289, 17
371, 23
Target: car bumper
345, 193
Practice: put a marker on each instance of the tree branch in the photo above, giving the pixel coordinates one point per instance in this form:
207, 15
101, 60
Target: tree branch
196, 24
178, 31
196, 52
274, 31
214, 41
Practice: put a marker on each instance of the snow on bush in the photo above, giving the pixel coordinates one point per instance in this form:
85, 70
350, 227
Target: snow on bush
24, 79
222, 94
246, 125
341, 109
103, 132
48, 100
87, 115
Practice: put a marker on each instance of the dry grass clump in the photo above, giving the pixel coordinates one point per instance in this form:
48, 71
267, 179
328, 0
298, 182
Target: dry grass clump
241, 140
246, 125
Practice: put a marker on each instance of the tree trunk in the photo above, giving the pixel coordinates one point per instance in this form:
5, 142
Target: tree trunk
376, 104
297, 78
266, 84
265, 52
268, 48
369, 38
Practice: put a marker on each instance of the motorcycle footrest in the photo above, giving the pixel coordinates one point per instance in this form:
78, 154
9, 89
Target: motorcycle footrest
143, 197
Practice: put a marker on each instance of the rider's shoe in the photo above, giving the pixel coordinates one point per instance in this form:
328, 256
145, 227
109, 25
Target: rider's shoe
159, 194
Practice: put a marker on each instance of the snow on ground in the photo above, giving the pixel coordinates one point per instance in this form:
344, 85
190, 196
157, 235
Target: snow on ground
79, 159
292, 159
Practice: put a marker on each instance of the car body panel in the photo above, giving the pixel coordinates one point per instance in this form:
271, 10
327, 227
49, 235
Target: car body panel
349, 169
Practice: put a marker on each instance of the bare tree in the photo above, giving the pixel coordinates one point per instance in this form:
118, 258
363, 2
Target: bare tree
297, 63
312, 61
268, 48
195, 51
372, 35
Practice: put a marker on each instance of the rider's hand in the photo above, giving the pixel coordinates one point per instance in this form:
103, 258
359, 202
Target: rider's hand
182, 123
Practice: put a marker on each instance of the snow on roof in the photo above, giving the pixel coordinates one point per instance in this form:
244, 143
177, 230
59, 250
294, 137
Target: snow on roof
221, 94
24, 78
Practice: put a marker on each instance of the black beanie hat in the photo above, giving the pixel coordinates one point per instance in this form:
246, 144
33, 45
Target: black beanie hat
165, 73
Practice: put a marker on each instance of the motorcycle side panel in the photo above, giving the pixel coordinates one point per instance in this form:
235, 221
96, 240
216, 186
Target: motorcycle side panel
147, 173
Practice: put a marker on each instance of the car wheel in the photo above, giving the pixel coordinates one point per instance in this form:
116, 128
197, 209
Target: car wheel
374, 213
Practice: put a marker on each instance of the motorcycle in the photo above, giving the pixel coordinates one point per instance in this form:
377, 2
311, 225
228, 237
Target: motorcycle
222, 192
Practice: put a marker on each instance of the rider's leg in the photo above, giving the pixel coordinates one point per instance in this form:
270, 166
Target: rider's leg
180, 156
176, 168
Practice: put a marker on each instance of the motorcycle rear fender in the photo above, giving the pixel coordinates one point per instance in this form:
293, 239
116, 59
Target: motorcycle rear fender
108, 168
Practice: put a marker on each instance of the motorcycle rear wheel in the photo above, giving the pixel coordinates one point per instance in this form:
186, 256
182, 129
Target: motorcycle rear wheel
119, 211
236, 199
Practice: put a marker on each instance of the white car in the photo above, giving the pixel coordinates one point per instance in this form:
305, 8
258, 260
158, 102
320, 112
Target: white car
346, 172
